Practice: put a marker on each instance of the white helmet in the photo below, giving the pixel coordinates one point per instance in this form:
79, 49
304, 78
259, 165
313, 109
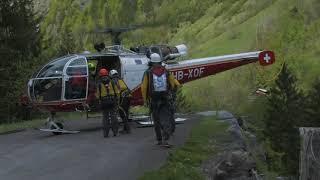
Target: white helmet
113, 72
155, 58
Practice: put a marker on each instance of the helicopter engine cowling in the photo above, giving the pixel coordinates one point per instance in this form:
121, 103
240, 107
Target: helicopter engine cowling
167, 53
182, 49
177, 51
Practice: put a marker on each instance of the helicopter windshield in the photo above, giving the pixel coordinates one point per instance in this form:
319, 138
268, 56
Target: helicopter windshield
62, 79
54, 68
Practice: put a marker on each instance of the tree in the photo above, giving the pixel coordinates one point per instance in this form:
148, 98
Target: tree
283, 114
19, 42
313, 105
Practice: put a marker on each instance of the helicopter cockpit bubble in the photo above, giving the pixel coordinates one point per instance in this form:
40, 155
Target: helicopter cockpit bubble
62, 79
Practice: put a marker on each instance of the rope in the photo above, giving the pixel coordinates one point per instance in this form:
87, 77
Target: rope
312, 152
260, 29
274, 77
122, 110
310, 164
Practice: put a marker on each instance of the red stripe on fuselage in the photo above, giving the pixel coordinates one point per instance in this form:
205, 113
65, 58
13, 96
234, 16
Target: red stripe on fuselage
187, 74
194, 72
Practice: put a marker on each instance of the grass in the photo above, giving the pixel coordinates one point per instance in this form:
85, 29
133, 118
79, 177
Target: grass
36, 123
139, 110
274, 26
11, 127
184, 163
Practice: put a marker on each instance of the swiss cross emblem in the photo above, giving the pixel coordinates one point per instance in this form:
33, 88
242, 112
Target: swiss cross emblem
266, 58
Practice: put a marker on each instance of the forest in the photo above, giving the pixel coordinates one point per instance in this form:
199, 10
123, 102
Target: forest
33, 32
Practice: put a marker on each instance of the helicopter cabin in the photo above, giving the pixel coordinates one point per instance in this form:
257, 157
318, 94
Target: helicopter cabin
68, 78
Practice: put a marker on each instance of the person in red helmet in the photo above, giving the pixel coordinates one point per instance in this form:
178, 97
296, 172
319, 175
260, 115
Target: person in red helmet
107, 95
103, 72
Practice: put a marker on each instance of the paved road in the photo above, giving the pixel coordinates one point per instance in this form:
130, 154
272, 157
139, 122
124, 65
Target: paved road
35, 155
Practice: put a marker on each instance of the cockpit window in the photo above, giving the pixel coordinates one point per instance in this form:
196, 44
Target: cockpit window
76, 80
54, 69
78, 62
155, 50
76, 70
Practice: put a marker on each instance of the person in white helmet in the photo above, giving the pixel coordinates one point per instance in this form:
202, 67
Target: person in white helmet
124, 99
156, 85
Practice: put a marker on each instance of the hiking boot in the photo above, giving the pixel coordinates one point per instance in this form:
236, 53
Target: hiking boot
159, 143
105, 133
166, 144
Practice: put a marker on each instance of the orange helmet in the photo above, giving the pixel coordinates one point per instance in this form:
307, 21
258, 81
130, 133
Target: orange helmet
103, 72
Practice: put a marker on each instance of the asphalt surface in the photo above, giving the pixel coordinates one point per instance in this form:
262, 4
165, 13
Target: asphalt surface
35, 155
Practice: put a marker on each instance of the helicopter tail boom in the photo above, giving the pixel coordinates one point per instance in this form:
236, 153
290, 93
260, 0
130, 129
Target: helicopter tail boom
190, 70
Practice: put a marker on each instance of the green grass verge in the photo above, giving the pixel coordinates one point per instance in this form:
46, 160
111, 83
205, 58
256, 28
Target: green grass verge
184, 163
6, 128
139, 110
36, 123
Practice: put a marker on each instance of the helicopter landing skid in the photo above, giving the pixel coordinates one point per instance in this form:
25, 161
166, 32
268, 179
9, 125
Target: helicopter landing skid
56, 127
59, 131
149, 123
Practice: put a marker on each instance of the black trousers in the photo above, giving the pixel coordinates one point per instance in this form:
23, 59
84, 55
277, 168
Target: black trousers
124, 113
162, 119
110, 121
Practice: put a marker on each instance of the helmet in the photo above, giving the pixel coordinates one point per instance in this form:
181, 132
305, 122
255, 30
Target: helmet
91, 66
113, 72
103, 72
155, 58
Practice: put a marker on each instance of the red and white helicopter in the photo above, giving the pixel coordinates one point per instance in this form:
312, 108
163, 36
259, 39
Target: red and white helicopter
51, 88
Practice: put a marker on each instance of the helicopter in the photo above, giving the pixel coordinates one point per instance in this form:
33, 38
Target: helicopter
63, 84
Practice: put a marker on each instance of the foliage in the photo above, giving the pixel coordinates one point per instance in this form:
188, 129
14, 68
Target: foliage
19, 44
210, 27
283, 114
184, 162
313, 106
182, 103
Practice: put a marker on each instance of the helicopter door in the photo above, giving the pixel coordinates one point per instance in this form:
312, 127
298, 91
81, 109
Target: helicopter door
75, 79
133, 70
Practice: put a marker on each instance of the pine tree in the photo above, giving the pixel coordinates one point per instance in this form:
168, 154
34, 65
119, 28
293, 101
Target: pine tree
282, 116
313, 106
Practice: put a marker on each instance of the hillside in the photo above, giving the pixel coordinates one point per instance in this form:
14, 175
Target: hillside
34, 31
209, 27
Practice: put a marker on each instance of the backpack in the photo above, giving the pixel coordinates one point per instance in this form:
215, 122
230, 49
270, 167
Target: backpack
108, 101
159, 82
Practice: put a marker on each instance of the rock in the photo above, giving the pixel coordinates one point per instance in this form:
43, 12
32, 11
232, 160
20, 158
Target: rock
220, 175
235, 163
225, 115
207, 113
231, 165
